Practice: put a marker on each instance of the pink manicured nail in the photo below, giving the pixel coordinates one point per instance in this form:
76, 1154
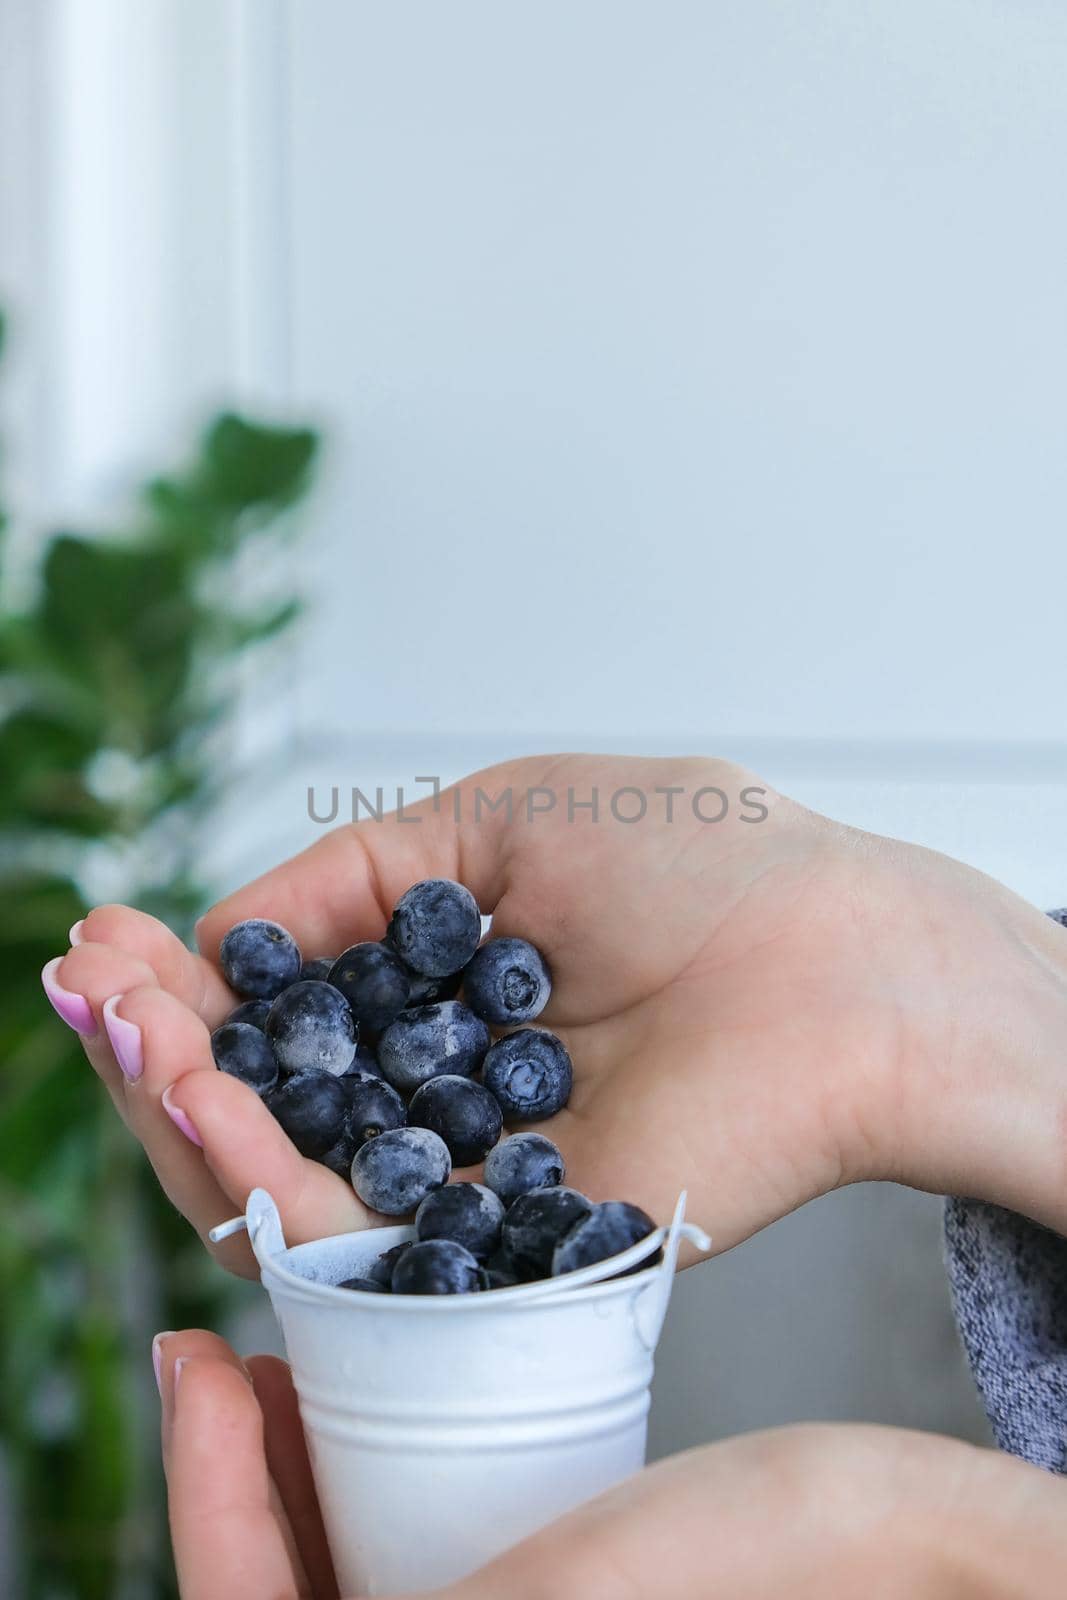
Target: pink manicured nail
180, 1119
125, 1040
157, 1357
75, 935
75, 1010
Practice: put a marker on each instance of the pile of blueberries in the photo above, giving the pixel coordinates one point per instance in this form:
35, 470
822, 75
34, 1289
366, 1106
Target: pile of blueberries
371, 1065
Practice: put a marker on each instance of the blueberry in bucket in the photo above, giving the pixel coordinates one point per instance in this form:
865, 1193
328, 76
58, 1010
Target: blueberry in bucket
396, 1171
374, 981
608, 1229
507, 981
530, 1073
435, 927
311, 1028
245, 1052
437, 1266
365, 1285
381, 1270
259, 959
466, 1116
535, 1224
501, 1271
429, 1040
522, 1162
468, 1213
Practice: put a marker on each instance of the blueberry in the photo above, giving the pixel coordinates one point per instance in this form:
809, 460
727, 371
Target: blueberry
522, 1162
373, 1108
530, 1073
381, 1270
507, 981
312, 1108
607, 1229
375, 983
465, 1115
437, 1266
254, 1012
1060, 916
311, 1028
365, 1285
430, 1040
536, 1222
259, 959
427, 991
436, 926
338, 1158
396, 1171
468, 1213
501, 1271
317, 971
244, 1052
364, 1062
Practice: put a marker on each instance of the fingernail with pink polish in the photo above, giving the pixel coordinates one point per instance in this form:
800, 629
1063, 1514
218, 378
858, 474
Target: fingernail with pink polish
125, 1040
76, 936
180, 1119
157, 1357
75, 1010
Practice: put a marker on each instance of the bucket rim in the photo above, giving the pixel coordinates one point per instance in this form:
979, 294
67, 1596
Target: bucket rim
608, 1286
615, 1275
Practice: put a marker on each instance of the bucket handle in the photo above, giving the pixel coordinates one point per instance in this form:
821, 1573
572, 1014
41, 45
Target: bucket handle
650, 1307
262, 1220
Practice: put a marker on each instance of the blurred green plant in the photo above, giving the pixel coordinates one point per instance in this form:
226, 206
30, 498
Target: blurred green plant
116, 681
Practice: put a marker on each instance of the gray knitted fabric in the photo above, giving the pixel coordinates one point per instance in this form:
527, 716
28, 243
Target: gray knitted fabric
1009, 1290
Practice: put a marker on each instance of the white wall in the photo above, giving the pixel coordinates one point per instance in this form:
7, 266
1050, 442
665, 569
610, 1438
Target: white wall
695, 370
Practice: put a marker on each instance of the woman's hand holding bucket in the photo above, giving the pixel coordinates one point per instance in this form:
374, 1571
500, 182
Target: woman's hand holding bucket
816, 1512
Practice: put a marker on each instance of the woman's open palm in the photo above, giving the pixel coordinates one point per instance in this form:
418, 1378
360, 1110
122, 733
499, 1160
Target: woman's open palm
747, 1001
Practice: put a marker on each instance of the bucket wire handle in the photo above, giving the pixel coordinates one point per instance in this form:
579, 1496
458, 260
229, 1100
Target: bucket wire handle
262, 1220
651, 1306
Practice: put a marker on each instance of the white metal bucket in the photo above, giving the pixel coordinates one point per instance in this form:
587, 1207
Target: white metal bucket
444, 1429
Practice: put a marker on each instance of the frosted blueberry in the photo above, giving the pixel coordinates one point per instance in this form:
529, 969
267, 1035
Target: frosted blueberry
259, 959
244, 1052
435, 927
395, 1172
608, 1229
374, 981
507, 981
536, 1222
254, 1012
429, 1040
468, 1213
311, 1028
312, 1108
522, 1162
466, 1116
530, 1073
437, 1266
